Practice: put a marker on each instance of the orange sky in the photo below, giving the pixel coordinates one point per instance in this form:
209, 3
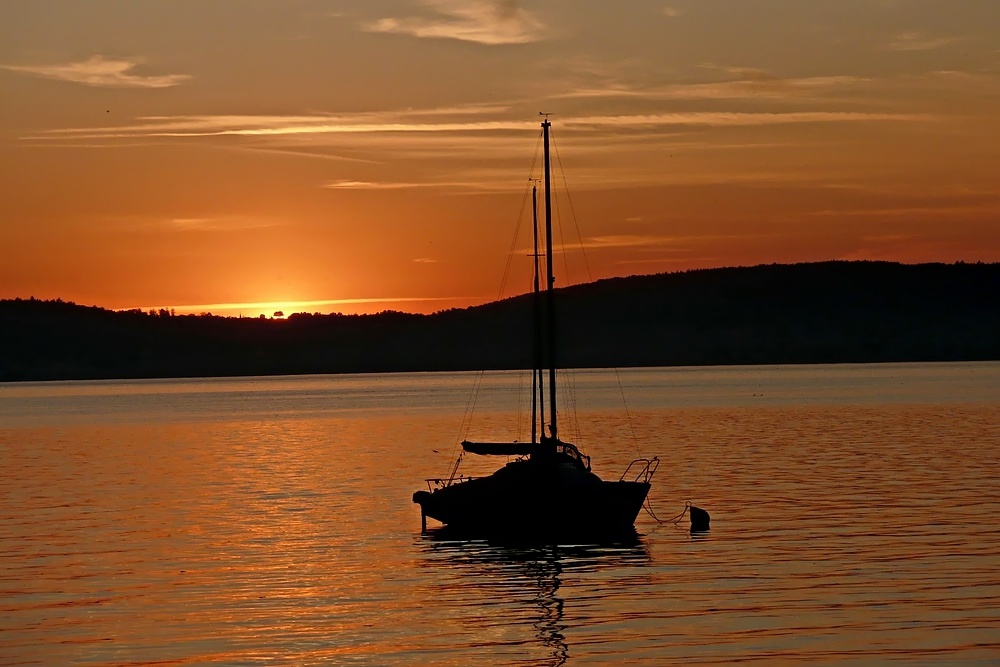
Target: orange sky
357, 155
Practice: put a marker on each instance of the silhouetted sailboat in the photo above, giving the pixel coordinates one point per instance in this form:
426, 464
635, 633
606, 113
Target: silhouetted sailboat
549, 489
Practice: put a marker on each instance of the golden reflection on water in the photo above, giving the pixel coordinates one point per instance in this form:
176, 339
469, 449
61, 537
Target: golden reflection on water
201, 527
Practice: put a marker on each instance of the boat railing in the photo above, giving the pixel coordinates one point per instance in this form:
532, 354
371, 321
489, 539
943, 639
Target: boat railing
574, 453
641, 470
438, 483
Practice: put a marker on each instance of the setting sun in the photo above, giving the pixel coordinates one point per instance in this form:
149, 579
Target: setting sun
282, 309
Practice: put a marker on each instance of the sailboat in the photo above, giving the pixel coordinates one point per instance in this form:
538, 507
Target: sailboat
548, 489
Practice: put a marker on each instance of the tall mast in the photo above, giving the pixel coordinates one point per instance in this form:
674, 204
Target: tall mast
550, 302
537, 391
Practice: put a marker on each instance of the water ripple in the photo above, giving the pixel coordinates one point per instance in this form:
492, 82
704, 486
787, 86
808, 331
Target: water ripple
168, 523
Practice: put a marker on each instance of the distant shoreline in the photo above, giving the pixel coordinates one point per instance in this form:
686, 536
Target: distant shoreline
296, 376
819, 313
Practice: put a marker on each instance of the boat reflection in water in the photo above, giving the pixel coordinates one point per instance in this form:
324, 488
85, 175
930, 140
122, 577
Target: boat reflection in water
495, 591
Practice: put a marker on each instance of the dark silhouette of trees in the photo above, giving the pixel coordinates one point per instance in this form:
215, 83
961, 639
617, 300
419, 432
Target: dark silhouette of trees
779, 314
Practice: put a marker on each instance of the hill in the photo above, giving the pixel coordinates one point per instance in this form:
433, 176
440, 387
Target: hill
825, 312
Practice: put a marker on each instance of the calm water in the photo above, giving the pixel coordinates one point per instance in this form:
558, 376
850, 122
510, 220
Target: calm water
268, 521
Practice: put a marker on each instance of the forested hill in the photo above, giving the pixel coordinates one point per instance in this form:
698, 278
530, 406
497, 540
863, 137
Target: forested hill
777, 314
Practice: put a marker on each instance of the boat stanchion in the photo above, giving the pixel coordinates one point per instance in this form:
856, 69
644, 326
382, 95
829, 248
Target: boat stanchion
419, 498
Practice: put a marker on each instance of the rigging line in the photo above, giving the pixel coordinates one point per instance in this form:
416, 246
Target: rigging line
569, 383
568, 375
513, 244
520, 398
466, 425
521, 393
562, 235
572, 209
628, 414
463, 431
520, 218
470, 406
590, 276
573, 407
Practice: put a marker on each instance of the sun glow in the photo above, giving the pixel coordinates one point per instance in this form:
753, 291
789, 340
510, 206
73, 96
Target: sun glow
283, 309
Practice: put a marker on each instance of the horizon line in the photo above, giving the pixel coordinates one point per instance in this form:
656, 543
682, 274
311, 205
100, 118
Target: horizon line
268, 305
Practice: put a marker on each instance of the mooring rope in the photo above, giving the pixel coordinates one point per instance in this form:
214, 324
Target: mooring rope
674, 520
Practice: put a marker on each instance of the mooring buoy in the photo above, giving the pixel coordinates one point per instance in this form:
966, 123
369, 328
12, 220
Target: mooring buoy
699, 519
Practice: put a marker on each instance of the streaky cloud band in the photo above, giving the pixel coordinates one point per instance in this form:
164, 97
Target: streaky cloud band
100, 72
215, 126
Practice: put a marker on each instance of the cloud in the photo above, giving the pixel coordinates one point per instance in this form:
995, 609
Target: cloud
649, 242
311, 154
291, 126
218, 223
751, 73
610, 241
425, 260
367, 185
482, 157
945, 209
624, 241
738, 119
446, 119
101, 72
751, 84
667, 260
671, 12
916, 41
479, 144
487, 22
486, 185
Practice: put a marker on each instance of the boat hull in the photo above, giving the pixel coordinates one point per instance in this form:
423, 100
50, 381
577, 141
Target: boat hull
538, 499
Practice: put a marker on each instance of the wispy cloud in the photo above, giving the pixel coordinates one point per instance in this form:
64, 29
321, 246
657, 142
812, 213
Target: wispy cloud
644, 243
306, 153
219, 223
729, 119
671, 12
425, 260
749, 84
446, 119
659, 261
623, 241
944, 210
748, 87
495, 22
368, 185
394, 185
101, 72
917, 41
419, 138
206, 223
214, 126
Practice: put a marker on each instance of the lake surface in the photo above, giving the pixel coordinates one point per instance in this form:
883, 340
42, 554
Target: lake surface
268, 521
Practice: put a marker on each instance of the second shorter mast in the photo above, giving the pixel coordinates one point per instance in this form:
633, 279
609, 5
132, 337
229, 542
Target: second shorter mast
537, 390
